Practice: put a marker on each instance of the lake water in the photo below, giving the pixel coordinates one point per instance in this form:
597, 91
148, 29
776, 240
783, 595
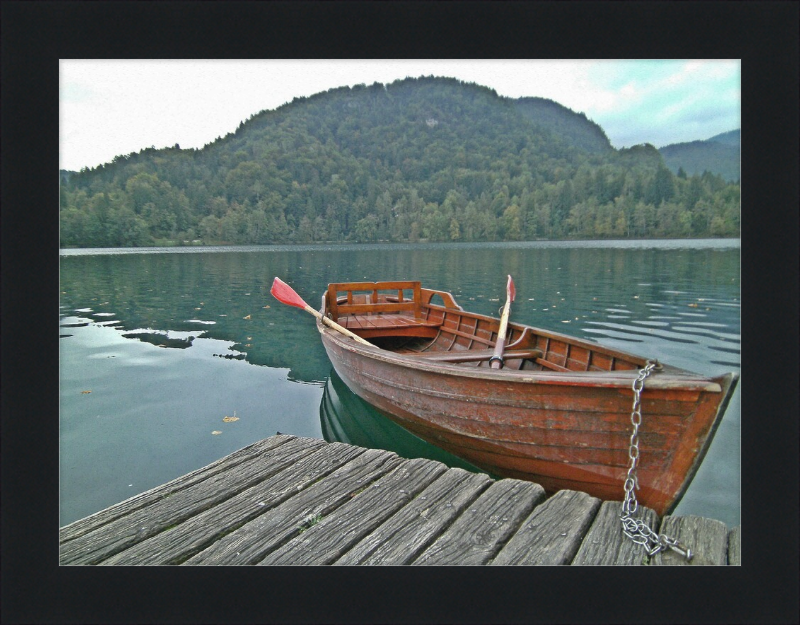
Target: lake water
159, 346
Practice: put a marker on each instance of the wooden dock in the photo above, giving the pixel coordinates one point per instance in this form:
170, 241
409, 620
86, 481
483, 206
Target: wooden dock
289, 500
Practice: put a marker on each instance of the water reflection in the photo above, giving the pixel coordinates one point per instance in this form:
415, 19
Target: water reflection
347, 418
160, 340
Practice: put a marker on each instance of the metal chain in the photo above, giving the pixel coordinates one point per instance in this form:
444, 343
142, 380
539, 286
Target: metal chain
636, 529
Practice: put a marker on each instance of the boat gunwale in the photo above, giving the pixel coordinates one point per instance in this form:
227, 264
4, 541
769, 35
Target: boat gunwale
671, 379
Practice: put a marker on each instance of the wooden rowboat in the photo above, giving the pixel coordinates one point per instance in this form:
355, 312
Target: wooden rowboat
557, 413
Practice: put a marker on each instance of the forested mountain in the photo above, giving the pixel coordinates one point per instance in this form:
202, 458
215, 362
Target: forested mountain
719, 155
428, 158
571, 127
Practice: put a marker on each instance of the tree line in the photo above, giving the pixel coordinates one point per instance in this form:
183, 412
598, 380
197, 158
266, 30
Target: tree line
420, 159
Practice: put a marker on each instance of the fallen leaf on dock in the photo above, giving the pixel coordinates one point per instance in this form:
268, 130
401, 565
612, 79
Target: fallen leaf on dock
216, 432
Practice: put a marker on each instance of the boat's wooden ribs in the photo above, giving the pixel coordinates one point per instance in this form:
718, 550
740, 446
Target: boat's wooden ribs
403, 308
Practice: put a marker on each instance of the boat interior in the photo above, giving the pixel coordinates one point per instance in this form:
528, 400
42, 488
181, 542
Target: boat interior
404, 318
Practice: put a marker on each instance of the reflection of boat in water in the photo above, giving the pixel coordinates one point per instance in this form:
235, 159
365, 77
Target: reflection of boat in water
558, 411
346, 418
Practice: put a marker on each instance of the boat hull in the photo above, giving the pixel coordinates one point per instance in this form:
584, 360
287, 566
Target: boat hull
557, 412
558, 430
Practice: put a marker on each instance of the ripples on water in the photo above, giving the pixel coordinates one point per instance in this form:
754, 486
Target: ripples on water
170, 341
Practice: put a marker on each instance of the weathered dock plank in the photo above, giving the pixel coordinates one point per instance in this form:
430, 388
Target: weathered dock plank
735, 546
707, 538
291, 500
403, 537
333, 535
93, 521
605, 544
173, 508
553, 532
477, 535
193, 535
254, 540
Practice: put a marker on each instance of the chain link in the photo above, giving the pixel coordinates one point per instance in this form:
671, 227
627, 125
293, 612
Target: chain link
636, 529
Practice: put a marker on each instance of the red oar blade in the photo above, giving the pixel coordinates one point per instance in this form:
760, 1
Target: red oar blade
511, 290
286, 294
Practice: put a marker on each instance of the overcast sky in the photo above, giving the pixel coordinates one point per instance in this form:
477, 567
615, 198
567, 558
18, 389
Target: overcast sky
113, 107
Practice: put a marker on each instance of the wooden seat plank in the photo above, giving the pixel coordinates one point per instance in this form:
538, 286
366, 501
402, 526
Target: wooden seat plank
476, 355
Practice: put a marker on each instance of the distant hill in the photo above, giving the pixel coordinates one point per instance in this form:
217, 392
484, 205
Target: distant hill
719, 155
733, 137
424, 158
570, 126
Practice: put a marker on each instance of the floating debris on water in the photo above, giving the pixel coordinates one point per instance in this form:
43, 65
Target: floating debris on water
216, 432
85, 392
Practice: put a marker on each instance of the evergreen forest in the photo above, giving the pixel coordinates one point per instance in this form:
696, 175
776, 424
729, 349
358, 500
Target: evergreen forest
429, 158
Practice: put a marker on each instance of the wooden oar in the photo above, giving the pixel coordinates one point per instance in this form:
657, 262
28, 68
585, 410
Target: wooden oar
496, 361
287, 295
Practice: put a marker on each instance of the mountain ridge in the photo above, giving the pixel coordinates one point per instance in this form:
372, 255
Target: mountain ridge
719, 154
420, 158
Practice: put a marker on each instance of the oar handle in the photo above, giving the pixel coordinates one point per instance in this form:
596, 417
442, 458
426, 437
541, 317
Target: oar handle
496, 361
332, 324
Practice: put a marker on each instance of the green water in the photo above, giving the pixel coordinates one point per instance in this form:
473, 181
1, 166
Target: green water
159, 346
